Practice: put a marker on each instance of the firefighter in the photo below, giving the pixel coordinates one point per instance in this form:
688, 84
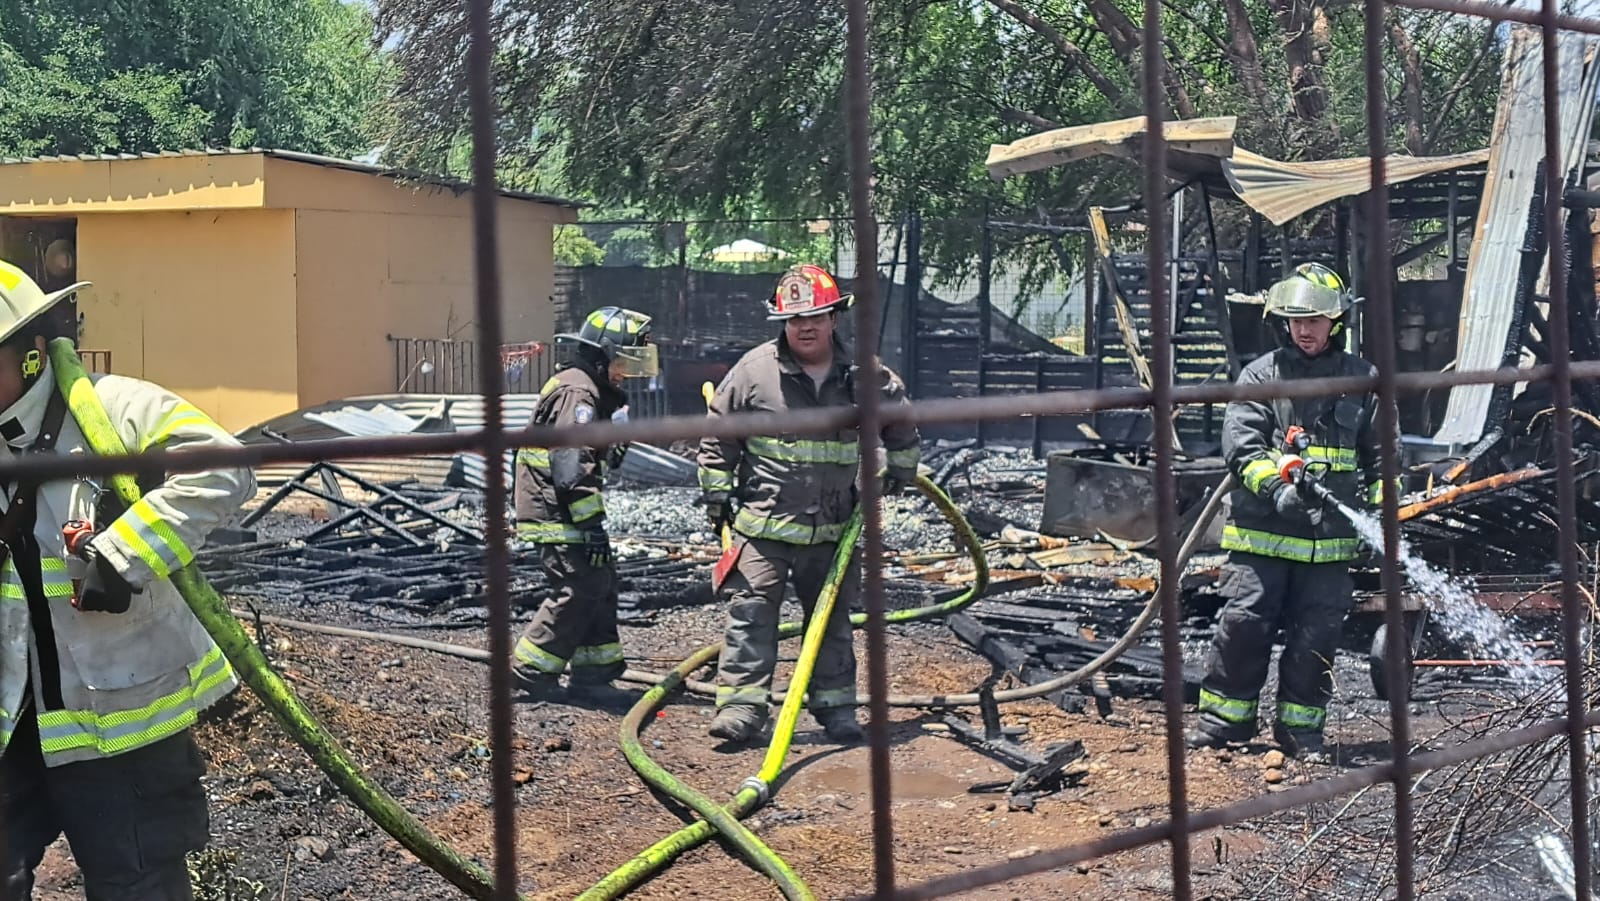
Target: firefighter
103, 668
1288, 562
561, 509
787, 497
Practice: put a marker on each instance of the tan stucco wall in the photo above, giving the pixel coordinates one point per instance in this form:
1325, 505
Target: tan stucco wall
376, 259
201, 303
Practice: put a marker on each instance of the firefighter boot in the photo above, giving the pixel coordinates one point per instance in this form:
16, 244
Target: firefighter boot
840, 724
738, 722
1208, 734
601, 694
1304, 745
536, 685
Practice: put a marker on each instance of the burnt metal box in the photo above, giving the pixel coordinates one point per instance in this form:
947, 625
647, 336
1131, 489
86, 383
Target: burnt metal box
1088, 494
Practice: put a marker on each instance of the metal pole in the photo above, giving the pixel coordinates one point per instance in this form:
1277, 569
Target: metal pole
486, 266
1378, 264
858, 122
1163, 412
1560, 341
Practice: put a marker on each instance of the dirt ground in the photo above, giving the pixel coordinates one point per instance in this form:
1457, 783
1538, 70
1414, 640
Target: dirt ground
418, 721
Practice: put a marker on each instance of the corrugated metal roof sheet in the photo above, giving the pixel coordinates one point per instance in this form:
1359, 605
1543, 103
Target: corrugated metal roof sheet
1488, 306
1278, 190
393, 414
1212, 138
1281, 191
404, 175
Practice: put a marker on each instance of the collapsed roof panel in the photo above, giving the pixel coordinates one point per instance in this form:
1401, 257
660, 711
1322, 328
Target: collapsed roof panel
1205, 149
1491, 302
1193, 145
1281, 191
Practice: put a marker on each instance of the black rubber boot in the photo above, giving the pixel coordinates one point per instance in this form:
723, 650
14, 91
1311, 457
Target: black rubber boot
840, 724
538, 686
1303, 745
1205, 735
602, 694
738, 722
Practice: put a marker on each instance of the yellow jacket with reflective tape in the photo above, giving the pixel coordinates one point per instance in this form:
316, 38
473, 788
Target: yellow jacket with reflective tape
122, 680
548, 513
794, 488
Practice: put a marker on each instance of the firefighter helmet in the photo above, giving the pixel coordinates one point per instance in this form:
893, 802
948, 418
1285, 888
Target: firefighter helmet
22, 301
1312, 290
620, 336
806, 290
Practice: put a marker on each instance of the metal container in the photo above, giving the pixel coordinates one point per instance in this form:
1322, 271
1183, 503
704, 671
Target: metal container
1087, 494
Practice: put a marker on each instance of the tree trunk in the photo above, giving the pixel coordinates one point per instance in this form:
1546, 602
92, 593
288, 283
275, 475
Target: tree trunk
1244, 56
1411, 90
1305, 79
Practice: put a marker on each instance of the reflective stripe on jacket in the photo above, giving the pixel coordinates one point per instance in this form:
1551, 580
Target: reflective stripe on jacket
124, 680
1344, 444
545, 513
794, 488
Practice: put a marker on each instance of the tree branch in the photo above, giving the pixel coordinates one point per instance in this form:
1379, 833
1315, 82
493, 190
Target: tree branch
1452, 96
1126, 39
1069, 51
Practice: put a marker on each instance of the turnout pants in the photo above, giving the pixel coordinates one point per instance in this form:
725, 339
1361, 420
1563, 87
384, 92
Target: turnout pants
1309, 602
130, 819
753, 592
578, 625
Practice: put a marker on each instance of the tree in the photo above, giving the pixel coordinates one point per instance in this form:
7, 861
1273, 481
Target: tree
93, 76
723, 108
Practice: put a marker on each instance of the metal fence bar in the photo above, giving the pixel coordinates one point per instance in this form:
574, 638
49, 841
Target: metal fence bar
858, 122
1163, 426
679, 428
1377, 270
1560, 339
486, 265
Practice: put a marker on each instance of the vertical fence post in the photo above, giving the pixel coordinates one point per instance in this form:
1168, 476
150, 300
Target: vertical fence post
1038, 421
909, 328
985, 288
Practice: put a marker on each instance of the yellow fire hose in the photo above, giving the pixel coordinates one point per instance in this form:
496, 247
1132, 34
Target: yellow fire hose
252, 667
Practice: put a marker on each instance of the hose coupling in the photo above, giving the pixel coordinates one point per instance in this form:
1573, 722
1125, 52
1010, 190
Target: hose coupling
760, 787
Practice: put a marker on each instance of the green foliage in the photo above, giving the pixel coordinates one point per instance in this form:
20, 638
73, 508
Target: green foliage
96, 76
573, 247
725, 109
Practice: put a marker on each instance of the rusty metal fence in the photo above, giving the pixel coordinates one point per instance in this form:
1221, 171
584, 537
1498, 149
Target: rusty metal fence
1182, 822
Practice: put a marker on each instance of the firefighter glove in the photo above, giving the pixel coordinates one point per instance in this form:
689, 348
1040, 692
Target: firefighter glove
598, 545
615, 455
719, 509
104, 589
1290, 505
893, 486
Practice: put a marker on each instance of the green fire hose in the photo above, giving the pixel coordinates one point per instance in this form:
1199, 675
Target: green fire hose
755, 791
253, 668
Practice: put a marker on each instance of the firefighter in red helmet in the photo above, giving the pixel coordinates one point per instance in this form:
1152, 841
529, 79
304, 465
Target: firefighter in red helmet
787, 498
